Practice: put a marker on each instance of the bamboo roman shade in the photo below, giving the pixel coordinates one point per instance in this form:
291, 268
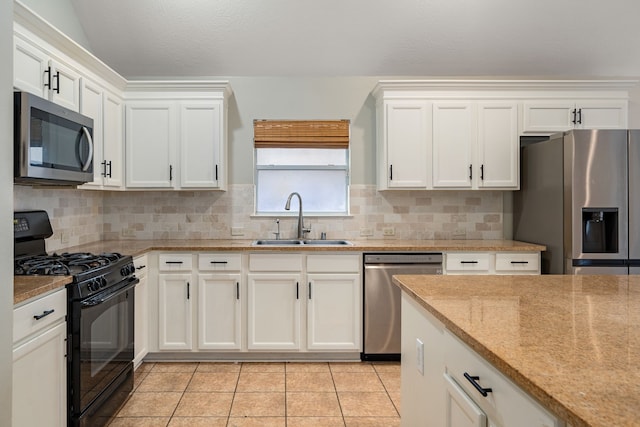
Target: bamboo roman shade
301, 133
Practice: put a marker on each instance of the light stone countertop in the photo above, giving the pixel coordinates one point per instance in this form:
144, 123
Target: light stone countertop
572, 342
29, 287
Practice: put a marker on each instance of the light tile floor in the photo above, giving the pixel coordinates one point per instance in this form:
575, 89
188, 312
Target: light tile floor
252, 394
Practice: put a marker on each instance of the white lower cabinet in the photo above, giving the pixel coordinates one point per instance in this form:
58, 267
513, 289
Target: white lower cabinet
39, 362
436, 391
219, 312
141, 314
492, 263
175, 302
273, 312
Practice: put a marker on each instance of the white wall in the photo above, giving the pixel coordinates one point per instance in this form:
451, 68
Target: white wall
302, 98
63, 16
6, 209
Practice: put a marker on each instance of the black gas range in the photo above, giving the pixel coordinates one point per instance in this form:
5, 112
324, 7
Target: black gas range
100, 329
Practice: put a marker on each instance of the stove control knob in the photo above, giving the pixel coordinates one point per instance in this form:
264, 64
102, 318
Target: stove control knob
102, 282
93, 286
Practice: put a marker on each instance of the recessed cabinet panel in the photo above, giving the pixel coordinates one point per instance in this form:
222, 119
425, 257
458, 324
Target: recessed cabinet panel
454, 139
498, 145
219, 312
408, 141
30, 68
200, 142
150, 136
175, 295
113, 151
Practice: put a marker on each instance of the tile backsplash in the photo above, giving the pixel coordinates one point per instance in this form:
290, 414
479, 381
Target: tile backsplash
82, 216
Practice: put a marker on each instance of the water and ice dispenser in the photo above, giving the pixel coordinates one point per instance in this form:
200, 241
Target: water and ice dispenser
599, 230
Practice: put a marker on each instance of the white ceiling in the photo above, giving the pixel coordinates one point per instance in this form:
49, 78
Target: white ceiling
554, 38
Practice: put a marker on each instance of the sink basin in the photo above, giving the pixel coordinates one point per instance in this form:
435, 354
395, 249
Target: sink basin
295, 242
279, 242
327, 242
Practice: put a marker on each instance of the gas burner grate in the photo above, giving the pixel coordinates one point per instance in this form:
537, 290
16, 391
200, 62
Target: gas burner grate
64, 264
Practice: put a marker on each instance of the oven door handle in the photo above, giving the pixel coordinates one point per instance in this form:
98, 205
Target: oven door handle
96, 301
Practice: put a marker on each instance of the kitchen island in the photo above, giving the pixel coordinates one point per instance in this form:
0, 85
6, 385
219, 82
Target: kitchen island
569, 344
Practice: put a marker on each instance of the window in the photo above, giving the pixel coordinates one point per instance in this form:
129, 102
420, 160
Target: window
316, 166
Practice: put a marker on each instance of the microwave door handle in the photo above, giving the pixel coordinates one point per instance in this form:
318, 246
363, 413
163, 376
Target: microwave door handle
87, 162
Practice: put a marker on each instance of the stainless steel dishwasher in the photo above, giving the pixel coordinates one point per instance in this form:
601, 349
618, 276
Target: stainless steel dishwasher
381, 323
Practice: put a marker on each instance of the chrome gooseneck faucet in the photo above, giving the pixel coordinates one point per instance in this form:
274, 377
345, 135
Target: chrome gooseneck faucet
301, 229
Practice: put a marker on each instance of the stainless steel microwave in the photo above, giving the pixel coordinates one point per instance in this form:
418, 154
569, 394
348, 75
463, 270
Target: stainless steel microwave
52, 144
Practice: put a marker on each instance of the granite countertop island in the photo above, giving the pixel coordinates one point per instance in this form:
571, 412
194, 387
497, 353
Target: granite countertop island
574, 345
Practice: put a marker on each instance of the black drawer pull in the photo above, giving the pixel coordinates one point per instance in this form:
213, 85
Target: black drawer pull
141, 267
173, 262
473, 380
44, 314
218, 262
519, 262
468, 262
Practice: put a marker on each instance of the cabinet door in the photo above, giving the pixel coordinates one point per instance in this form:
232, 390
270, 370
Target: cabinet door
113, 141
30, 67
175, 311
219, 312
461, 411
141, 344
40, 380
454, 140
150, 136
92, 106
549, 116
602, 115
498, 145
274, 311
65, 86
200, 144
407, 136
333, 312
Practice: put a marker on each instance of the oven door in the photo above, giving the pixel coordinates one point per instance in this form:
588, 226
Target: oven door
102, 343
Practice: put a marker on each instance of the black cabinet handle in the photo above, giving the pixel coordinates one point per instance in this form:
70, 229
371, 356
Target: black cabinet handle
390, 172
104, 168
519, 262
580, 116
48, 83
173, 262
188, 290
237, 290
141, 267
468, 262
44, 314
482, 172
57, 76
216, 172
473, 380
109, 164
297, 290
574, 116
218, 262
309, 290
170, 173
470, 171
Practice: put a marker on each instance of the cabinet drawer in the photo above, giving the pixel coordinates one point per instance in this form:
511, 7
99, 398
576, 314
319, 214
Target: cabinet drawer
514, 262
175, 262
468, 261
24, 317
275, 262
142, 266
506, 401
335, 263
219, 262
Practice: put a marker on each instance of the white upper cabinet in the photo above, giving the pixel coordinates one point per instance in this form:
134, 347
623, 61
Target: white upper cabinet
35, 71
176, 135
150, 144
454, 141
404, 145
498, 149
464, 134
559, 116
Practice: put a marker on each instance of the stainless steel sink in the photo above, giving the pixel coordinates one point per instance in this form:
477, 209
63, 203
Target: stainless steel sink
277, 242
295, 242
327, 242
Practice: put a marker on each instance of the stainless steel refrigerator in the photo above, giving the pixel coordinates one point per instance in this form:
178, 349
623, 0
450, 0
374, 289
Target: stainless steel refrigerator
580, 197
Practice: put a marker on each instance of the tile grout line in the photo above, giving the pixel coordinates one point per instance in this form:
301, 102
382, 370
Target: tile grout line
335, 389
233, 398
